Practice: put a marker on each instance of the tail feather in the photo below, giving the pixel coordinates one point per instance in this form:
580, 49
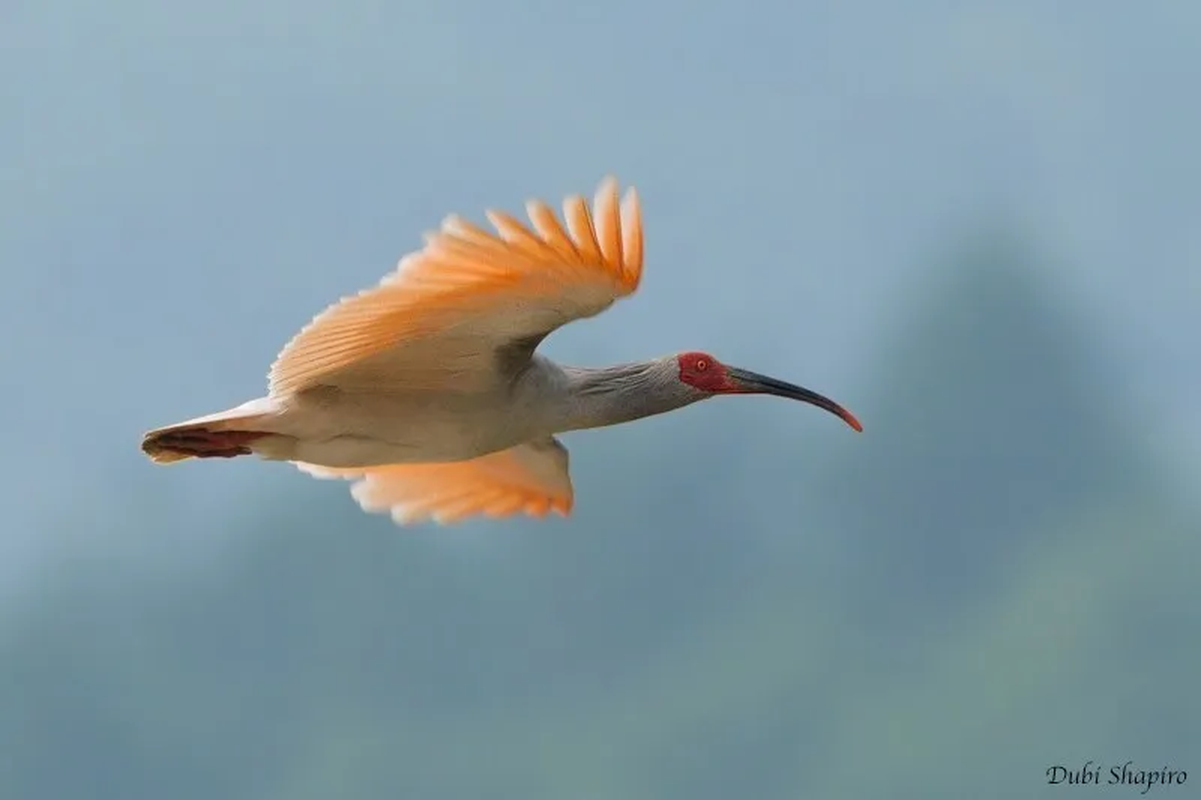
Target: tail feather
225, 434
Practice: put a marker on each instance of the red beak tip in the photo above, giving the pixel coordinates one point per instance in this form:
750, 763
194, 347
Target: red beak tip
854, 423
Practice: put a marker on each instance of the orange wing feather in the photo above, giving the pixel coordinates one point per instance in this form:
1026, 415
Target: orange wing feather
436, 321
532, 478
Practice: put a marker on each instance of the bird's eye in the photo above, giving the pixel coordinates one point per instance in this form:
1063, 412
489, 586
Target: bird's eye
701, 365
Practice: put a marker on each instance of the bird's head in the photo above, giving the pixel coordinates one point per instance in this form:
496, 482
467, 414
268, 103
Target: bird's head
705, 373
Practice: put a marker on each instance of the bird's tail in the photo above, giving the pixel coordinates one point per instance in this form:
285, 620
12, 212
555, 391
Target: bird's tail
222, 435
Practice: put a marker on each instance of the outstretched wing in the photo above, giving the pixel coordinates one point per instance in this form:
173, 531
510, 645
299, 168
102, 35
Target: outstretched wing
532, 478
472, 303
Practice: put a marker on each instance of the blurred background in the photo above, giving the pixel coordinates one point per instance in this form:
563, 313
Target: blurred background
978, 225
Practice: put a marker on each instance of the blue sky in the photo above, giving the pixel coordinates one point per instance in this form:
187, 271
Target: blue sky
184, 186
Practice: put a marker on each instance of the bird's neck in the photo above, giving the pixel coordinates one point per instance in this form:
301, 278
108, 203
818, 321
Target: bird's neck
596, 397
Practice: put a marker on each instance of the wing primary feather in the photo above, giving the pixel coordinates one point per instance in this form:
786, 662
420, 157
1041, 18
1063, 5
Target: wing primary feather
465, 229
495, 258
519, 237
631, 229
608, 224
547, 224
504, 506
579, 222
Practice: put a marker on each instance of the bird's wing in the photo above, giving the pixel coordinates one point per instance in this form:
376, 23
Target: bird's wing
472, 302
532, 478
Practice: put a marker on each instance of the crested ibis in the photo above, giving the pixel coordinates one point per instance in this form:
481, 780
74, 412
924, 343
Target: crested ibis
427, 391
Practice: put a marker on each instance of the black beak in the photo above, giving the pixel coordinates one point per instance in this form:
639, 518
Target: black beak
746, 382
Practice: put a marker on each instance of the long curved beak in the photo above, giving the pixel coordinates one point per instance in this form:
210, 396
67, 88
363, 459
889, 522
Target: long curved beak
746, 382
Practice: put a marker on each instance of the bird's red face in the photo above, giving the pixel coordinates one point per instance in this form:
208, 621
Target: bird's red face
704, 372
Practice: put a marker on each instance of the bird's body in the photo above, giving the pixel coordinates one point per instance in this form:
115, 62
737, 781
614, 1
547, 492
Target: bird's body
332, 427
426, 389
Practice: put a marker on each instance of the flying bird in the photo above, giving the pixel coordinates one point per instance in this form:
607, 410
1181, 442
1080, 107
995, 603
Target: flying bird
427, 391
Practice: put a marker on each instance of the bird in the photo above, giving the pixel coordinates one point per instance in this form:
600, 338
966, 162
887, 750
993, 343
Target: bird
426, 391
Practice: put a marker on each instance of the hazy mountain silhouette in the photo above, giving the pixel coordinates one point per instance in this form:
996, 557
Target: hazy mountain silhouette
991, 418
